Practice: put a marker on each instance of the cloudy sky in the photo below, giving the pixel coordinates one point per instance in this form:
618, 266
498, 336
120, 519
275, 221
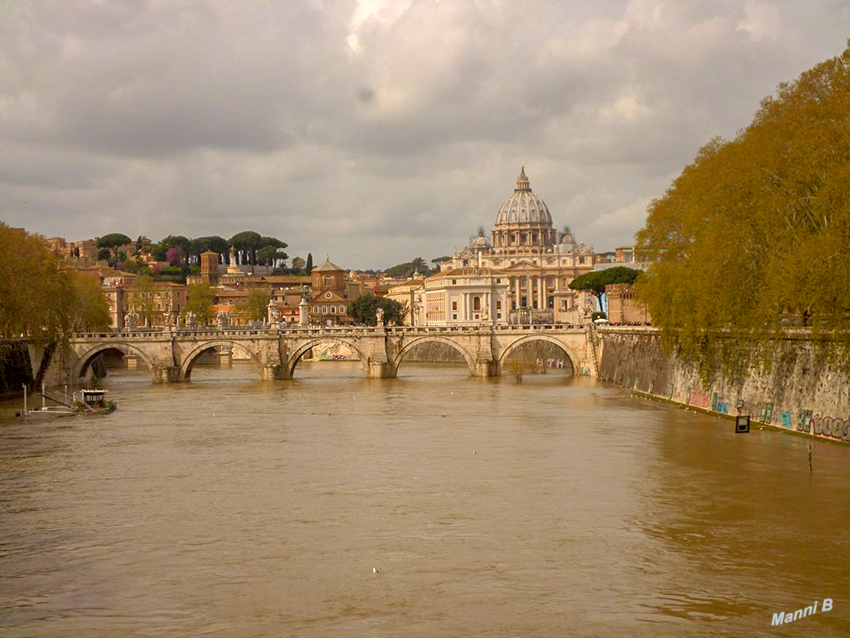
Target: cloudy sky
376, 130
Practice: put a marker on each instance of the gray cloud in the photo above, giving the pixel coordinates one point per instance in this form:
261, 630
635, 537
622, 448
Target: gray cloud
376, 131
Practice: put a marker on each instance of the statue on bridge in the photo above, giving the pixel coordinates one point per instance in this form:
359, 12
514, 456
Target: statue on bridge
272, 311
131, 321
379, 317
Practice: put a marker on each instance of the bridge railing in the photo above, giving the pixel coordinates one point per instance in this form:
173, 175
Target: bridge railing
214, 332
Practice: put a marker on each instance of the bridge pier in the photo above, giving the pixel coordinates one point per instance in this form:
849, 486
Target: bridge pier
274, 372
166, 374
486, 369
380, 370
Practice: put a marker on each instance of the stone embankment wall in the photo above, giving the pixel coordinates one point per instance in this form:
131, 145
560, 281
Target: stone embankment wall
802, 391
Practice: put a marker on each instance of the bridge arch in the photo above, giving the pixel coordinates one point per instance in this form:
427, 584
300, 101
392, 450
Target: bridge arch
503, 356
410, 345
188, 360
295, 357
84, 360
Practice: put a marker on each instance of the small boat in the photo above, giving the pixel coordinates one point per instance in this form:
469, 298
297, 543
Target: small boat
93, 402
83, 402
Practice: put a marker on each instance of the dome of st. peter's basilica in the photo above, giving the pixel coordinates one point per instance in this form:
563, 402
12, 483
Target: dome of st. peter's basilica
523, 206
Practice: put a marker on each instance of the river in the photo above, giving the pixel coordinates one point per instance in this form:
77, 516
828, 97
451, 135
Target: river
558, 506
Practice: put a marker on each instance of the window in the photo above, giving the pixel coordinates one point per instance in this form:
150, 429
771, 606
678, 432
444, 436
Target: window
499, 304
324, 310
581, 260
333, 310
454, 282
454, 305
498, 281
454, 317
328, 281
316, 310
476, 303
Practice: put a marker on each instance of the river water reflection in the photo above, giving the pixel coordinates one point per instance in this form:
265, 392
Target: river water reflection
554, 507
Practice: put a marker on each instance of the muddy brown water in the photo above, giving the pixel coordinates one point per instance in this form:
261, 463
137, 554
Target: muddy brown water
554, 507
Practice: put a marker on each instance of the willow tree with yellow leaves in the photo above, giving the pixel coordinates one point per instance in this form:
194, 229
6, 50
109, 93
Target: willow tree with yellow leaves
755, 233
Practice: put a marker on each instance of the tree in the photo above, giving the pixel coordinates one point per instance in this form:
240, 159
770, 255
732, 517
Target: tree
247, 242
173, 256
39, 299
145, 301
595, 281
132, 266
158, 251
309, 265
183, 244
143, 244
268, 255
754, 234
407, 269
255, 305
211, 242
113, 241
200, 303
90, 311
440, 260
364, 310
298, 264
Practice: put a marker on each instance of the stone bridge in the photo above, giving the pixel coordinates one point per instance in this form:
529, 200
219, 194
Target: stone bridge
170, 353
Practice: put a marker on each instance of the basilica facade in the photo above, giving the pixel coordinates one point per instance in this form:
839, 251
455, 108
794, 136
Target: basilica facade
536, 260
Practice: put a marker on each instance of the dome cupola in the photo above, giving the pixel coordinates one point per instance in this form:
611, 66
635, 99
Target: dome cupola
523, 206
523, 220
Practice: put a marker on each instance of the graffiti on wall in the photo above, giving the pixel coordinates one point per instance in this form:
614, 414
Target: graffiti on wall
833, 427
719, 405
554, 363
700, 399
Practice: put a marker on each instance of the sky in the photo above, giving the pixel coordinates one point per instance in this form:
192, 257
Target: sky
376, 131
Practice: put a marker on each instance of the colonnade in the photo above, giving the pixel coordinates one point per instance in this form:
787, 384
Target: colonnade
506, 238
541, 295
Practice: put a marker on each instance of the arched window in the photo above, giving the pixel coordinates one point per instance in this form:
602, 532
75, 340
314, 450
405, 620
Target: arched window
476, 303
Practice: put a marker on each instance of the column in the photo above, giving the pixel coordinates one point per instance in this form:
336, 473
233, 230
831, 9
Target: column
516, 291
541, 293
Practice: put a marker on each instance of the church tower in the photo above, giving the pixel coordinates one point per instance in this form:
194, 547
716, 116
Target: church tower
209, 267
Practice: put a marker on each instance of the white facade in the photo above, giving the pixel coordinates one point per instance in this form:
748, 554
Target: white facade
463, 297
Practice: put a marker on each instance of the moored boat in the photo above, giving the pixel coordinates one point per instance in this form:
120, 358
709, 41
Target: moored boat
83, 402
